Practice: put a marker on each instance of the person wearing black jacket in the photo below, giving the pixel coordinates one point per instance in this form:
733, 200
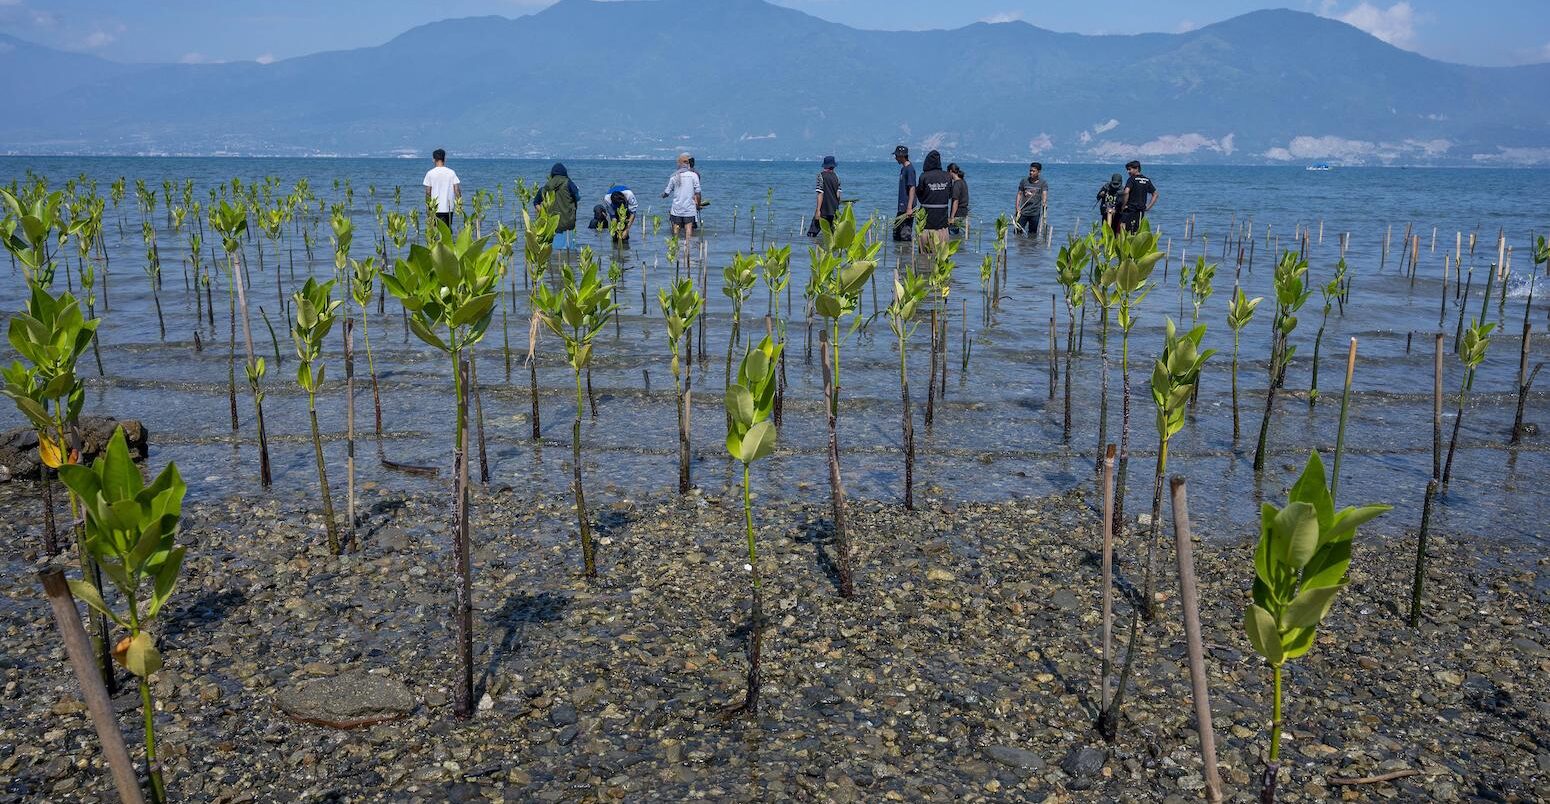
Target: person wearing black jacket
935, 194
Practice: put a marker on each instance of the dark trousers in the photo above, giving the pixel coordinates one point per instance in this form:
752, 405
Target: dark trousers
445, 217
1029, 223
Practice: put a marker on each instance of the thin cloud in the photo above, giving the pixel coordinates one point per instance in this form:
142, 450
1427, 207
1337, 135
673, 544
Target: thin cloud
1395, 24
1003, 16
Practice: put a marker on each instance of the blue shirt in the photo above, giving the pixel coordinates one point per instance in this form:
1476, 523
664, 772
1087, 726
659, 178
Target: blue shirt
906, 182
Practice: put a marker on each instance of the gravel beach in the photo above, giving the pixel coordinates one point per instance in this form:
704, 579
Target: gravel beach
964, 669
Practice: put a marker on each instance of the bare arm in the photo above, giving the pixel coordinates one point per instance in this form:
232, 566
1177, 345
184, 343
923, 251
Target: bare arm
1155, 196
909, 202
427, 192
457, 191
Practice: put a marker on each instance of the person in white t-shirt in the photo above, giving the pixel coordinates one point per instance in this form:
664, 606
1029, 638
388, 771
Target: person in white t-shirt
442, 186
684, 187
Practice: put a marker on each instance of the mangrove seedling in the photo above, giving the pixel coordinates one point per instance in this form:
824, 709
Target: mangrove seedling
1070, 264
909, 291
1291, 293
576, 313
751, 436
843, 266
130, 531
1137, 255
316, 311
537, 248
450, 289
1200, 290
30, 221
681, 305
231, 222
1174, 377
1331, 292
738, 280
1299, 567
1477, 336
363, 277
1240, 311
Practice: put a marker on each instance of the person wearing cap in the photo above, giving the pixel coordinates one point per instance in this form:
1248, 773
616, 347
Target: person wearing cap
828, 202
1138, 197
902, 231
684, 187
1108, 201
1031, 201
935, 194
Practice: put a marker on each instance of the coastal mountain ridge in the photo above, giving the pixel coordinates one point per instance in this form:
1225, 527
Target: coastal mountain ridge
751, 80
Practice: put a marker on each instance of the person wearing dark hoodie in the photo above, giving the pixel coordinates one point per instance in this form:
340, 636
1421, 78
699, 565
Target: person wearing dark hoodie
1108, 201
935, 194
562, 196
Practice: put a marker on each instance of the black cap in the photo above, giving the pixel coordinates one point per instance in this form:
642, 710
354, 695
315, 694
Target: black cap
900, 150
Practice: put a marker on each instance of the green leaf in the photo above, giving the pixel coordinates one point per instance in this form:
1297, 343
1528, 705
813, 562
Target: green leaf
1348, 520
424, 333
739, 404
1309, 607
1328, 566
142, 658
473, 310
1260, 626
1297, 533
759, 442
166, 579
1296, 642
88, 594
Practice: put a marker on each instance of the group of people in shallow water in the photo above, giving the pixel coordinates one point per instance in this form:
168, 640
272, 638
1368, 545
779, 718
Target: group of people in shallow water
942, 192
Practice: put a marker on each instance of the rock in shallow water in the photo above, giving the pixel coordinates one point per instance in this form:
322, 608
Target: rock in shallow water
346, 701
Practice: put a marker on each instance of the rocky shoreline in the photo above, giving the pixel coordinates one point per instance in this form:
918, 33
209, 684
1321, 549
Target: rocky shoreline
965, 668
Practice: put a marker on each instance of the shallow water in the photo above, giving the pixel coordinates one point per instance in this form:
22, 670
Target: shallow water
997, 433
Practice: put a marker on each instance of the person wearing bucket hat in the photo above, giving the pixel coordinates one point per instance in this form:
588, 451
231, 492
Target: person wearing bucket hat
828, 201
902, 231
1108, 200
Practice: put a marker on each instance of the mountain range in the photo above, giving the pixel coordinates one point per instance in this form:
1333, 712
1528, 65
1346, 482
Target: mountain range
751, 80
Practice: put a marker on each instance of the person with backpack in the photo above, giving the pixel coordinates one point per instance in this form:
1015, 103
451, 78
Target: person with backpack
562, 196
1031, 201
935, 194
828, 201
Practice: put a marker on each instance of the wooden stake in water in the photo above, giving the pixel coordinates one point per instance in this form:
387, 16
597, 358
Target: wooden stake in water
1107, 589
1345, 408
1419, 580
1189, 601
83, 662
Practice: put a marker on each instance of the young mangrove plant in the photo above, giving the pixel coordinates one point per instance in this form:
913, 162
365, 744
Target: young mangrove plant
737, 281
363, 277
751, 436
1477, 336
1175, 375
450, 289
537, 248
1240, 311
1200, 290
681, 305
1137, 255
776, 269
843, 265
130, 531
1291, 293
1330, 292
231, 222
909, 291
316, 311
1070, 264
1299, 567
576, 313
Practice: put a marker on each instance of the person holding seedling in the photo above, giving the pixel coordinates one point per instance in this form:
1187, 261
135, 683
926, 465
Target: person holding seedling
1031, 201
1108, 201
684, 189
619, 202
443, 187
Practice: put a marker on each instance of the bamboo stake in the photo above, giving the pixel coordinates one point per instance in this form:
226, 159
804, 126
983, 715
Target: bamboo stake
1107, 589
1200, 691
83, 662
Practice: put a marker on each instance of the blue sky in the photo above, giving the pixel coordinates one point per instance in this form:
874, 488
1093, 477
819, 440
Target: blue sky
1486, 32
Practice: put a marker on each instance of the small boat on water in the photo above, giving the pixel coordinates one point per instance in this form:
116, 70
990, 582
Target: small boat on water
1319, 166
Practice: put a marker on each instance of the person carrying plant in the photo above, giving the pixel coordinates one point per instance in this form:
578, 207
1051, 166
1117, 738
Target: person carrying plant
901, 228
618, 201
960, 192
1108, 201
935, 194
1031, 201
443, 187
828, 201
684, 188
562, 196
1138, 197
